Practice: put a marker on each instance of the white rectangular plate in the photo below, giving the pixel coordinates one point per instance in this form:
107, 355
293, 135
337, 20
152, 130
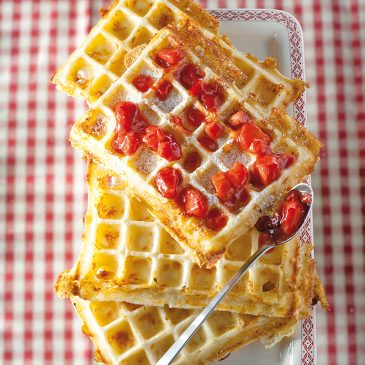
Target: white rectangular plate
276, 34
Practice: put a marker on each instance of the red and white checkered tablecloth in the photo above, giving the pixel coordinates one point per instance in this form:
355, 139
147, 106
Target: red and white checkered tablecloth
43, 196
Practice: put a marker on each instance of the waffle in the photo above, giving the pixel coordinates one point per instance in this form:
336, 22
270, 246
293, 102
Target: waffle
127, 256
99, 61
125, 334
94, 134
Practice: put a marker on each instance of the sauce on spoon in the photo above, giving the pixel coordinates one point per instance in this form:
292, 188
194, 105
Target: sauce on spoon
286, 220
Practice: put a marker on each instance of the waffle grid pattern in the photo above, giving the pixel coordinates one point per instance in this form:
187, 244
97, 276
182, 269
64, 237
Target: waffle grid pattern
126, 251
95, 131
126, 334
99, 62
93, 67
157, 112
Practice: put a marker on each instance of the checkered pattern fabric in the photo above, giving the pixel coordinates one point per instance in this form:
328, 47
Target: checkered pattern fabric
42, 197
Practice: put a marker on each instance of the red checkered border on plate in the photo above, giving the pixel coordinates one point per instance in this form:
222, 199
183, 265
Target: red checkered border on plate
295, 35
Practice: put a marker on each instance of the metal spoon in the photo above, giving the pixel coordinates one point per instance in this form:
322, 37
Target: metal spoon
174, 350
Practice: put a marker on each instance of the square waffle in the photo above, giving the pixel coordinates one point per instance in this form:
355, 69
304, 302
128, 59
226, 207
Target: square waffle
96, 134
100, 60
127, 256
126, 334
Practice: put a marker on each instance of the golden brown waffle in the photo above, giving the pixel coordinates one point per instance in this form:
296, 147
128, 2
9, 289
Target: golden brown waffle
127, 255
99, 61
94, 133
125, 334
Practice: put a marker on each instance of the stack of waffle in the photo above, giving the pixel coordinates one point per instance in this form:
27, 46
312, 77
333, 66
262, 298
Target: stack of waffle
149, 262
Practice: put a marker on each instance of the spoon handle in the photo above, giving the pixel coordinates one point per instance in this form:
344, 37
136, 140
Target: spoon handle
174, 350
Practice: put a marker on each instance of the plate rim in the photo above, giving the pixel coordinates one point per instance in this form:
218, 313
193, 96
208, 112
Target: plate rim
308, 345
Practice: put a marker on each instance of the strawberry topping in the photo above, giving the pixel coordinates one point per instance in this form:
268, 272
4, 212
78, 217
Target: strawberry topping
194, 116
153, 136
125, 113
163, 90
293, 212
163, 143
192, 161
187, 128
265, 170
229, 185
126, 144
195, 203
216, 220
197, 88
169, 149
223, 186
214, 130
238, 119
208, 143
286, 220
129, 129
169, 57
143, 83
237, 175
189, 74
167, 182
253, 139
212, 96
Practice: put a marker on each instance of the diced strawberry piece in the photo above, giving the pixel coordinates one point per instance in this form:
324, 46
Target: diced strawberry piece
240, 198
164, 143
192, 161
253, 139
167, 181
195, 116
223, 186
265, 170
169, 148
129, 124
209, 101
293, 212
125, 113
197, 89
143, 82
214, 130
260, 148
169, 57
212, 96
287, 160
153, 136
127, 144
216, 220
129, 118
208, 143
179, 122
189, 75
195, 203
237, 175
163, 90
238, 119
139, 125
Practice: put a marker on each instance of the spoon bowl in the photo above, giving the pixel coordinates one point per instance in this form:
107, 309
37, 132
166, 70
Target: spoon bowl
303, 188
